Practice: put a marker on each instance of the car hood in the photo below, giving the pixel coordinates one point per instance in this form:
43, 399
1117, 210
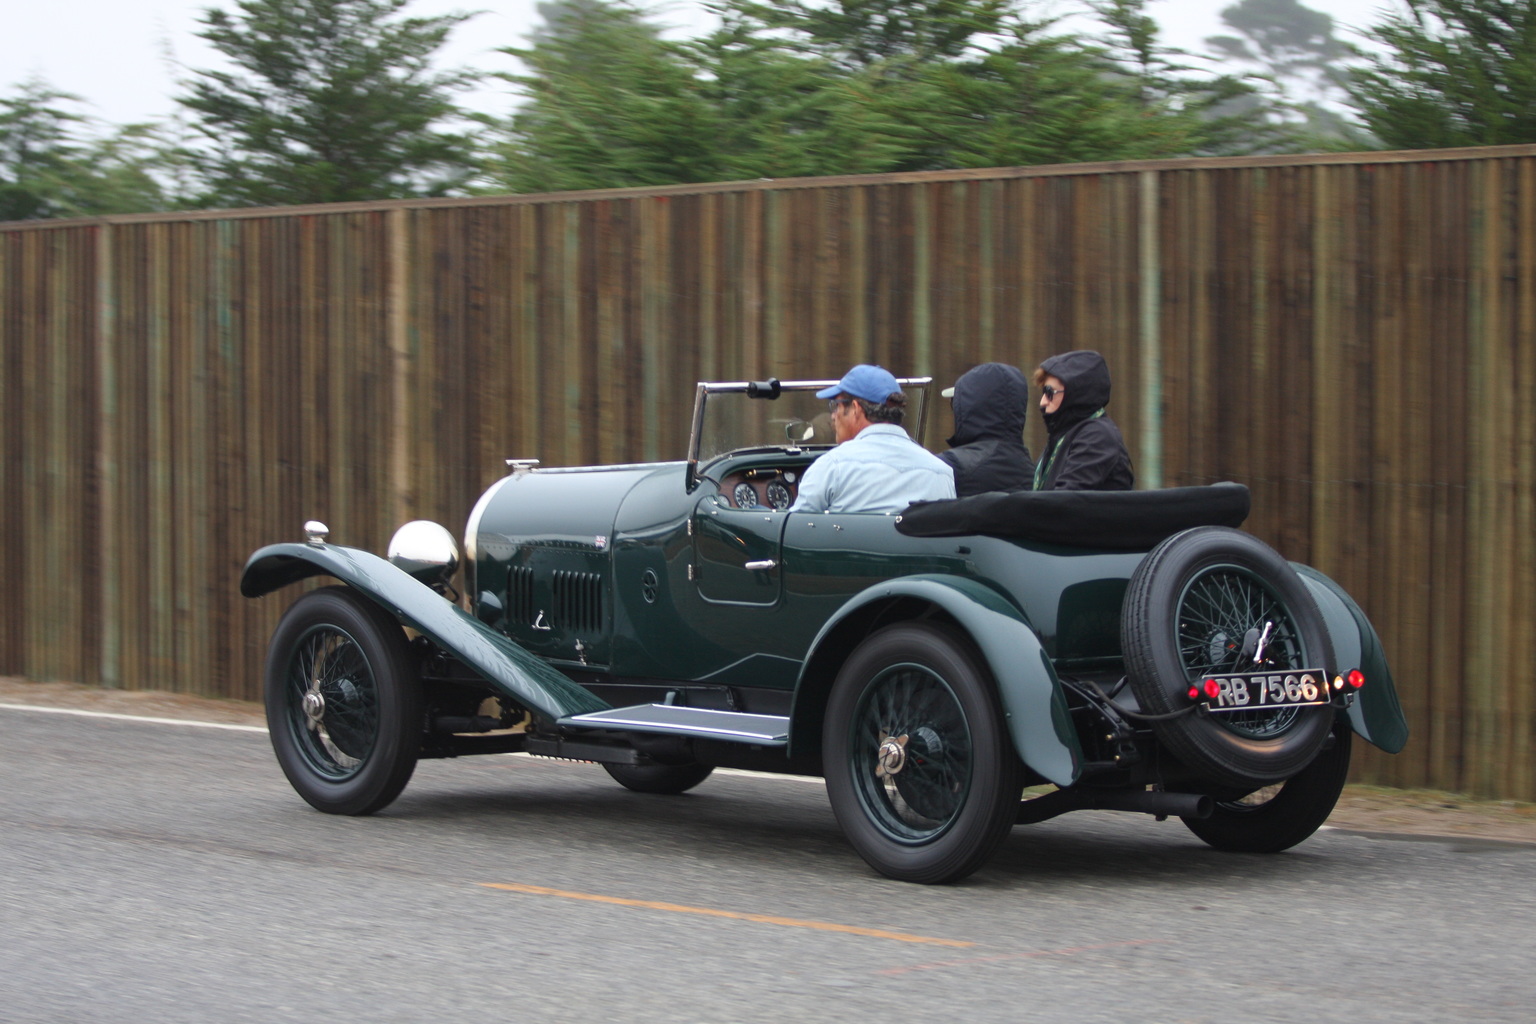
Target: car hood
566, 506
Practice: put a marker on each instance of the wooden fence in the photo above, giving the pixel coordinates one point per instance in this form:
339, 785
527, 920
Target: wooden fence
1351, 336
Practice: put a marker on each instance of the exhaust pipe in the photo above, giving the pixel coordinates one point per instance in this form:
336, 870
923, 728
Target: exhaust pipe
1142, 801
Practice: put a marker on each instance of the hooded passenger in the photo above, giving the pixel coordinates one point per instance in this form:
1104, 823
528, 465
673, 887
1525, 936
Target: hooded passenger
1084, 450
987, 451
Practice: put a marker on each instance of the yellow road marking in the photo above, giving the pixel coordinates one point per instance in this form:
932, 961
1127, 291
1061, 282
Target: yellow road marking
680, 908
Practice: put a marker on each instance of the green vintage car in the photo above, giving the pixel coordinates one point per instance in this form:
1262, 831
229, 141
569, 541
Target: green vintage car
1135, 650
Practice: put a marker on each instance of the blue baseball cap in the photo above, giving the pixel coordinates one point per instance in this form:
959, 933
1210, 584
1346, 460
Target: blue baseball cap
871, 383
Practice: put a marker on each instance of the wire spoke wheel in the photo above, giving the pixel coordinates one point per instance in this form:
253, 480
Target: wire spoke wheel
1274, 818
912, 753
343, 702
333, 702
1217, 601
920, 770
1222, 614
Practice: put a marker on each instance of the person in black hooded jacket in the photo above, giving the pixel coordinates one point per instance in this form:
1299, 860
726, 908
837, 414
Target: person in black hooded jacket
1084, 450
987, 451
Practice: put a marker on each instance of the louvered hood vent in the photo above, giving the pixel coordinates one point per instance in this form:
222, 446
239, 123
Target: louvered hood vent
578, 601
520, 594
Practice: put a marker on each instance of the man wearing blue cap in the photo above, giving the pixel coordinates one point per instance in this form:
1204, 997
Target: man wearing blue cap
875, 467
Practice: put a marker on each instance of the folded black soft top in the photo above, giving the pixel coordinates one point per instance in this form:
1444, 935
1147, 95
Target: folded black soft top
1124, 520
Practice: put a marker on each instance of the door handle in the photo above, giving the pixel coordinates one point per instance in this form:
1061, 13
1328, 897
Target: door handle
766, 563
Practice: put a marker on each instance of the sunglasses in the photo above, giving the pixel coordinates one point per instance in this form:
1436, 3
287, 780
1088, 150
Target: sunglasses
1050, 393
833, 403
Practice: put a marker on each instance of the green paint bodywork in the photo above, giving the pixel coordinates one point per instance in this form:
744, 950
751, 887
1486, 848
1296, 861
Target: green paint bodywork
638, 574
1033, 701
1375, 714
512, 671
683, 607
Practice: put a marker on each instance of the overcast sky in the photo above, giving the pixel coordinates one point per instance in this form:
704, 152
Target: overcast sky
121, 55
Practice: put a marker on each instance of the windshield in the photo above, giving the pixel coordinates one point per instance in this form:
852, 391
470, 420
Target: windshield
732, 417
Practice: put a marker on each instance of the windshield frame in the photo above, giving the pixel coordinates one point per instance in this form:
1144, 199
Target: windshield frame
770, 390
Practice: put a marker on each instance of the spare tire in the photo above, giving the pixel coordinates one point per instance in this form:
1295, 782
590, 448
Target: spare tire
1193, 608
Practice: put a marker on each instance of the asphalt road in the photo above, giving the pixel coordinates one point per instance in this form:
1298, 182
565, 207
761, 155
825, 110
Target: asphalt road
166, 873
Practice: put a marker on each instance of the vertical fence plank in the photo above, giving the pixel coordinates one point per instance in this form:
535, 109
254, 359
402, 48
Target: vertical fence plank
1521, 783
13, 528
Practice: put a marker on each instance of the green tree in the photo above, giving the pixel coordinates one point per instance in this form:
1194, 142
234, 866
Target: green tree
608, 103
789, 90
1037, 99
1452, 73
859, 34
770, 92
50, 168
784, 110
331, 100
962, 84
35, 150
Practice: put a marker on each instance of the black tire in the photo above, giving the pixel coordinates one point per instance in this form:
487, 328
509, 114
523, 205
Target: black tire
343, 702
666, 779
1189, 608
921, 772
1276, 818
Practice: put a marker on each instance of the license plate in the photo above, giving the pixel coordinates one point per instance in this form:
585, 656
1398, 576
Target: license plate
1251, 691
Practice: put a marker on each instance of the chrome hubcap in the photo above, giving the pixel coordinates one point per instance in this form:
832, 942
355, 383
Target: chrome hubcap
314, 708
892, 756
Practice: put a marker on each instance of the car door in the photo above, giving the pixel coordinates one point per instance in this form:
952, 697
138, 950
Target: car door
736, 557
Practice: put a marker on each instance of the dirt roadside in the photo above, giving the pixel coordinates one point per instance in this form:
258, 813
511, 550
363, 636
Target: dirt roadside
1362, 809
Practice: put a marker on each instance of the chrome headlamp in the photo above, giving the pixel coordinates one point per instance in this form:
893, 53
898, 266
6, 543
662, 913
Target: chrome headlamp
426, 551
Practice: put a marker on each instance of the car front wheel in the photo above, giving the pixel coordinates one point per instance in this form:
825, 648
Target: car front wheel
921, 773
342, 702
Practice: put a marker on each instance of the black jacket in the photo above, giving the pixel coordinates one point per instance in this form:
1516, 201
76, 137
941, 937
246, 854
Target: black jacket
1084, 450
987, 453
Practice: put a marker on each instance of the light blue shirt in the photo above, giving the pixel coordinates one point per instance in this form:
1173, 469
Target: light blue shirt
880, 470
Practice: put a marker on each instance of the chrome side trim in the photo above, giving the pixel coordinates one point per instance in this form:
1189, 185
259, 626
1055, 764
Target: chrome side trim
616, 467
703, 723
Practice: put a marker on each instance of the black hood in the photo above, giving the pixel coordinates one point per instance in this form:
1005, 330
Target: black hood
990, 401
1085, 375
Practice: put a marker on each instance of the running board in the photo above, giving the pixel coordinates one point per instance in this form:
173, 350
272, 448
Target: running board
699, 723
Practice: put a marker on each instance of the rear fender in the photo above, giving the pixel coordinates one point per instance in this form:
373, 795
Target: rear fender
1033, 702
511, 671
1375, 713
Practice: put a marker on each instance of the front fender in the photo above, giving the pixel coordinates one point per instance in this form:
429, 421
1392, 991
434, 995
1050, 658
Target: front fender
1375, 713
1033, 702
511, 671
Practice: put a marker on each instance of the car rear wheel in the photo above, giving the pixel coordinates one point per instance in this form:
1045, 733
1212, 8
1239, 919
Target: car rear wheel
920, 771
664, 779
1278, 817
342, 702
1209, 601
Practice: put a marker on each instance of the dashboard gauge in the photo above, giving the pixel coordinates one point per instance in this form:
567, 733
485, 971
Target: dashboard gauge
745, 496
778, 496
